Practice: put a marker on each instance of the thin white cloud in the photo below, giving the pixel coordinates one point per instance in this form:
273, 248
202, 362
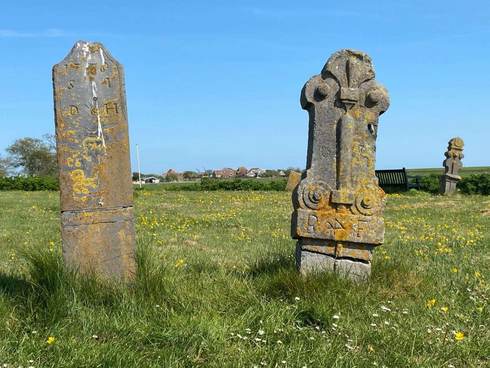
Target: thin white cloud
295, 13
48, 33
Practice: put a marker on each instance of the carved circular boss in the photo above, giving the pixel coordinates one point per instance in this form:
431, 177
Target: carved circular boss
314, 195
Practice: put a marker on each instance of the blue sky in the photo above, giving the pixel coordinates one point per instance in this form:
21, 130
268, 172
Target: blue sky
216, 83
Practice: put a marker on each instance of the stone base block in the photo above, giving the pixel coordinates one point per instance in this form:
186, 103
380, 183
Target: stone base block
354, 270
309, 262
101, 242
448, 184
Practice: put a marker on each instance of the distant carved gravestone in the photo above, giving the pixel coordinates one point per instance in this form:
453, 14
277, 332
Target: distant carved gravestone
452, 164
293, 180
93, 157
339, 205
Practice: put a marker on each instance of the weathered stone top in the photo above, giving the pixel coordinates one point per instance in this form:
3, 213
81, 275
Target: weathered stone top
345, 85
454, 154
455, 148
340, 189
92, 129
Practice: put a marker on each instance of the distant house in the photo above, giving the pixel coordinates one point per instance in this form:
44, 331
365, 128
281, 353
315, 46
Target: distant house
224, 173
255, 172
172, 175
152, 180
282, 173
241, 172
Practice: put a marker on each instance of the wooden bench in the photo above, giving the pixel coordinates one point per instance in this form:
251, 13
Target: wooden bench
393, 180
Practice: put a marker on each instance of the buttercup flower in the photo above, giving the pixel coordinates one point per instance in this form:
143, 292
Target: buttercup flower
180, 263
430, 303
459, 336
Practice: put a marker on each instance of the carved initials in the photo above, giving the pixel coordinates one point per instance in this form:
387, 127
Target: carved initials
312, 222
73, 110
335, 224
361, 227
107, 82
111, 108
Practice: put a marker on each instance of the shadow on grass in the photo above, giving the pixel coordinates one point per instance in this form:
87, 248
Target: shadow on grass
271, 265
312, 318
276, 276
14, 286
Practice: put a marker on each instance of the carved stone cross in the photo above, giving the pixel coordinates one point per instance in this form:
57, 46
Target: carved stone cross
452, 164
93, 157
338, 205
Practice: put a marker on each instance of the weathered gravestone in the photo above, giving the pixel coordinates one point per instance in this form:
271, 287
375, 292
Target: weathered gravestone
338, 206
293, 180
93, 157
452, 164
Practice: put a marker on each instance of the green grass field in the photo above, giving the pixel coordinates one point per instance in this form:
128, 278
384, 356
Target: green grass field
465, 171
217, 287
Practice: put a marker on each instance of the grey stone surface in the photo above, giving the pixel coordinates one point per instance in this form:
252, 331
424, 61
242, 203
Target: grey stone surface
452, 164
354, 270
310, 262
339, 203
93, 157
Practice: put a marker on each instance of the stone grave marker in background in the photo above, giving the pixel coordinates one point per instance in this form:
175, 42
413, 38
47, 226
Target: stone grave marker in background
93, 156
293, 180
338, 206
452, 164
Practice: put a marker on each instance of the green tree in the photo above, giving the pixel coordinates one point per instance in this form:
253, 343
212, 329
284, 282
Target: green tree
171, 177
4, 166
190, 175
33, 156
270, 174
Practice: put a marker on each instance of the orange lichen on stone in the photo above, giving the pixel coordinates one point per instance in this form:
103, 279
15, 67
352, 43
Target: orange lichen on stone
81, 184
339, 200
93, 157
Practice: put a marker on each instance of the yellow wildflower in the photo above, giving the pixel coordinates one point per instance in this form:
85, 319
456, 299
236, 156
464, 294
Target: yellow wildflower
454, 270
51, 340
430, 303
459, 336
444, 309
180, 263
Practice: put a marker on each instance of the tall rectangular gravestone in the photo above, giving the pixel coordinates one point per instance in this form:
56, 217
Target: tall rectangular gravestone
94, 166
338, 205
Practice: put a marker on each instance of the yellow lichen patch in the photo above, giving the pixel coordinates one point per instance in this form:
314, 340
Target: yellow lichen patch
80, 183
92, 70
344, 232
91, 145
370, 116
94, 47
73, 162
356, 112
73, 65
